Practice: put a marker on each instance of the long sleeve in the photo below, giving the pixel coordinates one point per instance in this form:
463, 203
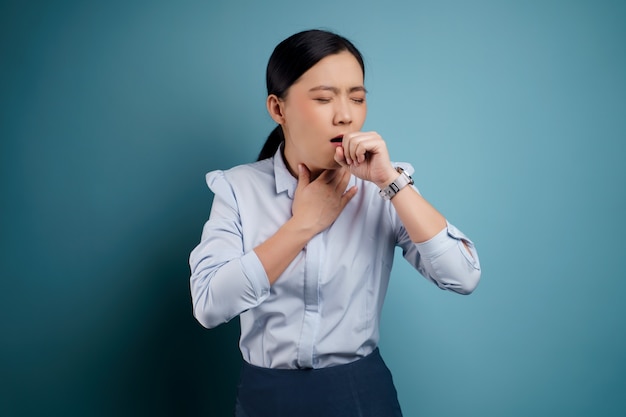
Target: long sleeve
224, 281
325, 309
445, 260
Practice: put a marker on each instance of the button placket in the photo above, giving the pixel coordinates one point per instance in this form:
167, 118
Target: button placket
310, 322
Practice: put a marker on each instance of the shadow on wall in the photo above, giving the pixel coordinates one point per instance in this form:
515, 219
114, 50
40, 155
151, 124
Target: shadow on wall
159, 360
129, 344
172, 366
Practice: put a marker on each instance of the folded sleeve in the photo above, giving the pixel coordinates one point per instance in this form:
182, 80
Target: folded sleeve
224, 280
449, 259
445, 260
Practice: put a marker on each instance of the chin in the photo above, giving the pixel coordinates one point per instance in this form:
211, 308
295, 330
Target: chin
322, 165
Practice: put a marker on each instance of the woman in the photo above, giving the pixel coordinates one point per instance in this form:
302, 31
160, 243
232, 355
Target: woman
300, 244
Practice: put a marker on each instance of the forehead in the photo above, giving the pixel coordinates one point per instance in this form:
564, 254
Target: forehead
339, 70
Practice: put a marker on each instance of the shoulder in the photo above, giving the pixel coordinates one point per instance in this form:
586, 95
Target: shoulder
244, 177
241, 172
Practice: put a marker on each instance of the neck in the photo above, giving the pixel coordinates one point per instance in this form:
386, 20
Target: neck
292, 161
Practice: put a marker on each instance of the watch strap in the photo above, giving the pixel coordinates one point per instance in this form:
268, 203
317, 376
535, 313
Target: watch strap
396, 185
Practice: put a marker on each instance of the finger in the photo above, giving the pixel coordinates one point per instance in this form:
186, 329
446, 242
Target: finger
353, 145
348, 195
368, 142
354, 142
360, 152
340, 157
343, 180
304, 176
366, 145
355, 151
347, 143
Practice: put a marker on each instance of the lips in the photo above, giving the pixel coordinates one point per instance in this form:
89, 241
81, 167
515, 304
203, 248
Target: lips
337, 139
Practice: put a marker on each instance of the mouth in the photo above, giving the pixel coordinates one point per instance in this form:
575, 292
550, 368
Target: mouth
337, 139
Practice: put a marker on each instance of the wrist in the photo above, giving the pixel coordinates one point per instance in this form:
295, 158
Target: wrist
302, 229
390, 176
402, 180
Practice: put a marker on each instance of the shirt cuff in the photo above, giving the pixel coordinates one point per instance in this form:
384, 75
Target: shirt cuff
444, 240
472, 255
256, 275
436, 245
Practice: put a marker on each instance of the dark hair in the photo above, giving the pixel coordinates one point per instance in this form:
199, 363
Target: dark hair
293, 57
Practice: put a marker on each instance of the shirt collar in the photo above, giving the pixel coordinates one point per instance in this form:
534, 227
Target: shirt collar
284, 180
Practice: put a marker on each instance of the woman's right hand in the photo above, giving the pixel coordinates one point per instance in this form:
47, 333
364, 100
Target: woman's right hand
318, 203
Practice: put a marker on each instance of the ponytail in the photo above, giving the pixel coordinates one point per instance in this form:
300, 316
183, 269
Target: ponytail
272, 143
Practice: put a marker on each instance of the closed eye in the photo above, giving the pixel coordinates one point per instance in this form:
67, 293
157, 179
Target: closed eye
322, 99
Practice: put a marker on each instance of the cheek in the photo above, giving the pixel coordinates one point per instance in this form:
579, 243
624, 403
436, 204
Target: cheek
360, 115
364, 109
308, 112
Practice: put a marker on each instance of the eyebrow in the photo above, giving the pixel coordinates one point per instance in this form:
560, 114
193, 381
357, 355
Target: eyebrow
336, 90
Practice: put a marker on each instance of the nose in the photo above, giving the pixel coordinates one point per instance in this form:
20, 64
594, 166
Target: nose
343, 115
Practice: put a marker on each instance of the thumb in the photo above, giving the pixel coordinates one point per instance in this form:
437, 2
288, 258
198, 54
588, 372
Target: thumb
304, 176
347, 196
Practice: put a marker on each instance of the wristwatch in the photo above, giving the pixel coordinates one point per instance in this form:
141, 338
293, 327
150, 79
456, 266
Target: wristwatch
399, 183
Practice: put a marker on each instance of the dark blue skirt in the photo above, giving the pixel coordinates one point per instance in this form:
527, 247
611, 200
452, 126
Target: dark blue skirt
359, 389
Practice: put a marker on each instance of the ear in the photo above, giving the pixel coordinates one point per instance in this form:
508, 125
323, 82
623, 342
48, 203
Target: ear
275, 108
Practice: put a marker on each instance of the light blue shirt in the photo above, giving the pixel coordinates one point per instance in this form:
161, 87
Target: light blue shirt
325, 309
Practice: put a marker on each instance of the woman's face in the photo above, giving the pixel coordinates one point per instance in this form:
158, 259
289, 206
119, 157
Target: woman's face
326, 102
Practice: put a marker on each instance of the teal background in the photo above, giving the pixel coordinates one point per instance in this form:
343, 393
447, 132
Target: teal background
513, 114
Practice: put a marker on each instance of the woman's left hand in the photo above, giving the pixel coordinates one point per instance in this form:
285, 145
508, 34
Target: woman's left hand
365, 155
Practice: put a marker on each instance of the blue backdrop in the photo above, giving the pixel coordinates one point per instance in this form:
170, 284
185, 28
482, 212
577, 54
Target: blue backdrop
513, 114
